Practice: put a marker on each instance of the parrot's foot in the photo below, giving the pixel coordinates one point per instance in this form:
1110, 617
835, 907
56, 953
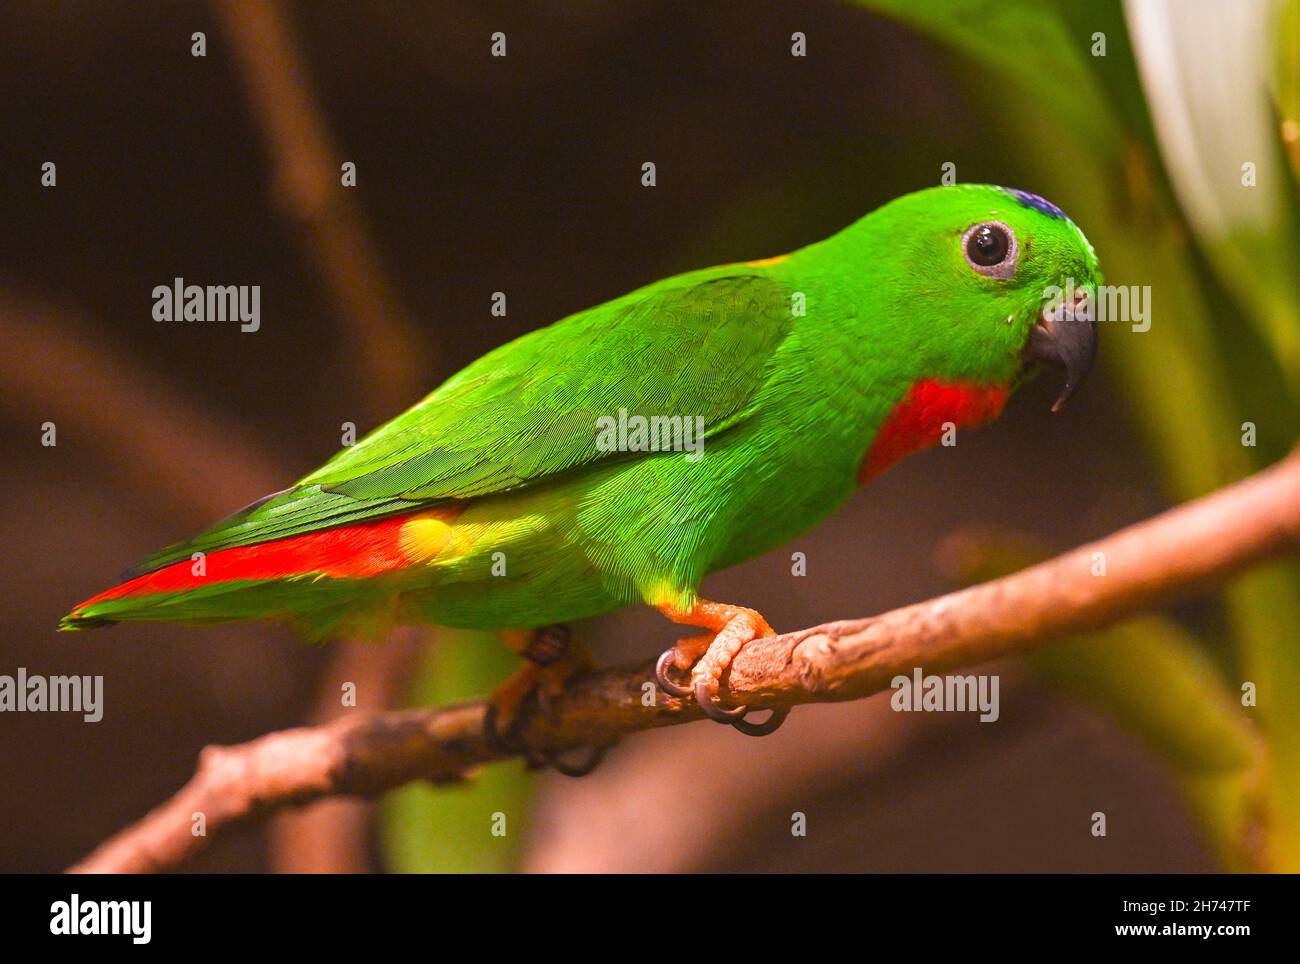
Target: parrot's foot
553, 657
711, 653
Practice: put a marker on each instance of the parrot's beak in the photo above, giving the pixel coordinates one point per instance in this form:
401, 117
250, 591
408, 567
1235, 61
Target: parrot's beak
1065, 338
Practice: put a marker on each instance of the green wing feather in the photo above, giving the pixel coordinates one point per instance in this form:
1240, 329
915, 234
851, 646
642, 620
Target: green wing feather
699, 344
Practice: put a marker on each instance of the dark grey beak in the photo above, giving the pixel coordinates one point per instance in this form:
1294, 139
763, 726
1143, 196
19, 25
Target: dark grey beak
1064, 339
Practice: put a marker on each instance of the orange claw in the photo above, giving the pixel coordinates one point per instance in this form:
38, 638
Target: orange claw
731, 628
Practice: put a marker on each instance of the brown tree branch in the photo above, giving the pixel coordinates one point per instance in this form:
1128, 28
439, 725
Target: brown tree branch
384, 337
1148, 565
56, 367
331, 837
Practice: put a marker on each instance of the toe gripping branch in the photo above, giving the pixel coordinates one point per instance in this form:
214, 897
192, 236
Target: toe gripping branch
508, 744
548, 650
734, 716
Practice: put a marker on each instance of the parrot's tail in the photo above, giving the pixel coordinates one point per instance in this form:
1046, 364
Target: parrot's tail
317, 581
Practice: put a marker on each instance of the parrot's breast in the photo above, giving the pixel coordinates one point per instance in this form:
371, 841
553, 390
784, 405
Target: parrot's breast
921, 418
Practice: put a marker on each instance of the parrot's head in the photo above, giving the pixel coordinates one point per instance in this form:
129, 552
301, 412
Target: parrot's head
988, 283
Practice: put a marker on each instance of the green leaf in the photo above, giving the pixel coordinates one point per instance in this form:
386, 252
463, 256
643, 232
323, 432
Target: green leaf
1208, 71
1025, 42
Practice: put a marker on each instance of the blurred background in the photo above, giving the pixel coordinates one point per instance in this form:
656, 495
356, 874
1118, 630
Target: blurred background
1169, 132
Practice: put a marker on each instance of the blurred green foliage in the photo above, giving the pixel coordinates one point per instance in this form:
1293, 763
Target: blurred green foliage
426, 829
1157, 184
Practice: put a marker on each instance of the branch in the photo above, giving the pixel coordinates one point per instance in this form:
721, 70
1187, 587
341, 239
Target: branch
57, 366
384, 337
1149, 565
331, 837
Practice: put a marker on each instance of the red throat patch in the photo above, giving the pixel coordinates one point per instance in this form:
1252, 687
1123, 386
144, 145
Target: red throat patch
917, 421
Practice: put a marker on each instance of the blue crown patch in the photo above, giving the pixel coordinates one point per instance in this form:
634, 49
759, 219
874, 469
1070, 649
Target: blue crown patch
1037, 203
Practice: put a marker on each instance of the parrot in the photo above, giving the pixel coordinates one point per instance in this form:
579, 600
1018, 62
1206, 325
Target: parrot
621, 454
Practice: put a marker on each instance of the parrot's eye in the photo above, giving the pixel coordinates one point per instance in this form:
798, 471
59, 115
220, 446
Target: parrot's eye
991, 249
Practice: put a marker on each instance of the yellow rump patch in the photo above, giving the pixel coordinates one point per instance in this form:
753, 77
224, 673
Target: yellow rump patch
664, 593
425, 535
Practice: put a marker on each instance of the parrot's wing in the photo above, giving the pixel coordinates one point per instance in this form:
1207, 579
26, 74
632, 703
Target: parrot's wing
529, 410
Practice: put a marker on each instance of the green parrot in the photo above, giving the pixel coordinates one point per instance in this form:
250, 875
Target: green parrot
623, 453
